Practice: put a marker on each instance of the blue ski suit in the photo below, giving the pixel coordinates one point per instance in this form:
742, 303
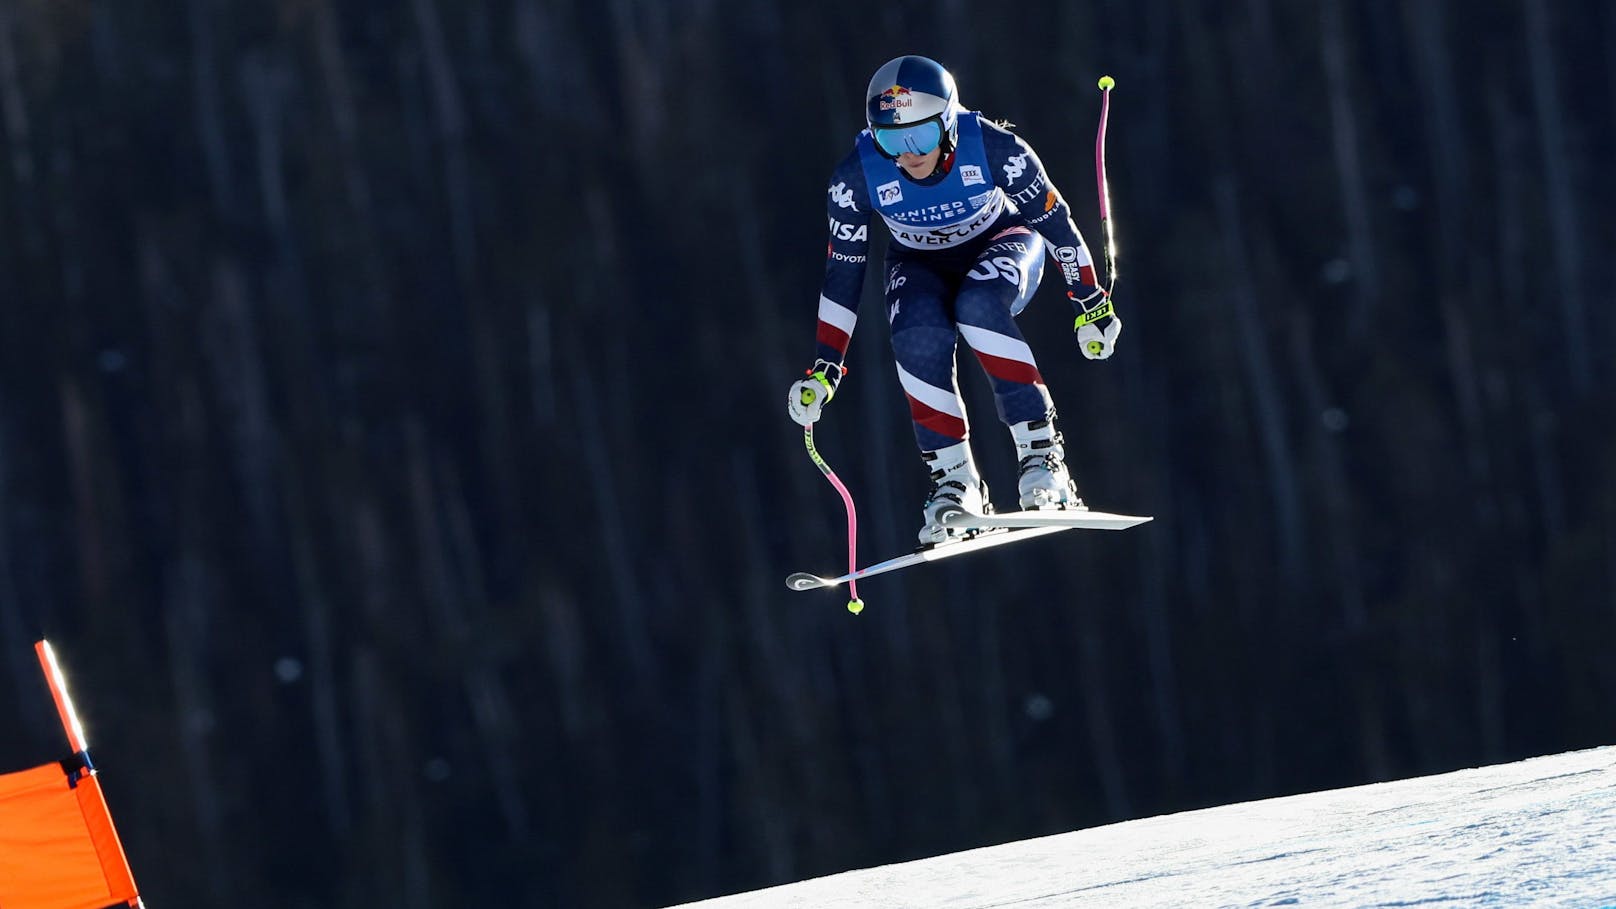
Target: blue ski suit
967, 252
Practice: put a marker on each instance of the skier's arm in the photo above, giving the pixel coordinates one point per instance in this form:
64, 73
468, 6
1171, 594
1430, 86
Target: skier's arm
1017, 170
847, 207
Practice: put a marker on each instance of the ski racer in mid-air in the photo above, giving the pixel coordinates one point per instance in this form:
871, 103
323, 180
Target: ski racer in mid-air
970, 209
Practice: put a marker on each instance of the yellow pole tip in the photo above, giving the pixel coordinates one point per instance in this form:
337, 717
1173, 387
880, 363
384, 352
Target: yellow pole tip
855, 606
1107, 83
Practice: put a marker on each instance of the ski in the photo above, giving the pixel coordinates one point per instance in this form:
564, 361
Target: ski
1064, 518
802, 580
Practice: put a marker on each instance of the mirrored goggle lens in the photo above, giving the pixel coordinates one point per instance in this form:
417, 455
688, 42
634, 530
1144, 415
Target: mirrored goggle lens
918, 139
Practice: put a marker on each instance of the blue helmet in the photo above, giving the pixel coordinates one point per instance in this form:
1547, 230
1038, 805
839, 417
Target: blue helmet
905, 93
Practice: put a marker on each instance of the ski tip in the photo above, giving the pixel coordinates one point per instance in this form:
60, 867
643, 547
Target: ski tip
802, 580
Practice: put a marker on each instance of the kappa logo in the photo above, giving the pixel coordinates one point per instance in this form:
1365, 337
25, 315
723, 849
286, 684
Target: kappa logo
889, 193
843, 196
1016, 166
971, 174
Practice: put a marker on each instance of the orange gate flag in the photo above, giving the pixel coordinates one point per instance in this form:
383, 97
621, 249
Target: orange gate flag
58, 848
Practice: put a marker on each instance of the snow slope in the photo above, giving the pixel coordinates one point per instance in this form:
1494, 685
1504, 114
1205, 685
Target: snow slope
1540, 832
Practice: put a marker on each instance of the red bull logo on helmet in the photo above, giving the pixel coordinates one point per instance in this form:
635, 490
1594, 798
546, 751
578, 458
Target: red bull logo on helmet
896, 98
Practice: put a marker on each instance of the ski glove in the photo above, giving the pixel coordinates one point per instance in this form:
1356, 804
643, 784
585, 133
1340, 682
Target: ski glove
1097, 324
807, 397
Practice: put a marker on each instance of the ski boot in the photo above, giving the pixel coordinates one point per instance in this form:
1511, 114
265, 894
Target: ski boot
1044, 482
955, 486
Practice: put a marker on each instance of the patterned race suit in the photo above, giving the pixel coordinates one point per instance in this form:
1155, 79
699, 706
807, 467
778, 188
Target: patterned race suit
967, 253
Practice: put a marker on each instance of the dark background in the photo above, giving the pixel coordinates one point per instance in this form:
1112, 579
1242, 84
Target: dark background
392, 436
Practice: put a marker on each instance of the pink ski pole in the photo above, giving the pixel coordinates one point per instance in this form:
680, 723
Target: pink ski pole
855, 605
1106, 84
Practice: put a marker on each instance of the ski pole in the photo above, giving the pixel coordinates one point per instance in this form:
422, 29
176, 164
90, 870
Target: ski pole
855, 605
1106, 84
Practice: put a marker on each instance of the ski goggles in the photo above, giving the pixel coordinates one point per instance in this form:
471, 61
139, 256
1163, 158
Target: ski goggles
916, 138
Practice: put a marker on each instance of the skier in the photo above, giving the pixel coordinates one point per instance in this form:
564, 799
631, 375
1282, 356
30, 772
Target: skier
969, 209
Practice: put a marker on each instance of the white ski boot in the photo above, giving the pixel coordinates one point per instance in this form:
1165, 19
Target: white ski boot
1044, 482
955, 486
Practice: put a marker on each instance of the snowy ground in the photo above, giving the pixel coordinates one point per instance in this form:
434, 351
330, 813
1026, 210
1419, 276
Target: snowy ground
1540, 832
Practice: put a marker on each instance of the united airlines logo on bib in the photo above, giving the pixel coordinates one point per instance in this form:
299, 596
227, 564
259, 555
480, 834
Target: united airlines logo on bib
971, 174
889, 193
